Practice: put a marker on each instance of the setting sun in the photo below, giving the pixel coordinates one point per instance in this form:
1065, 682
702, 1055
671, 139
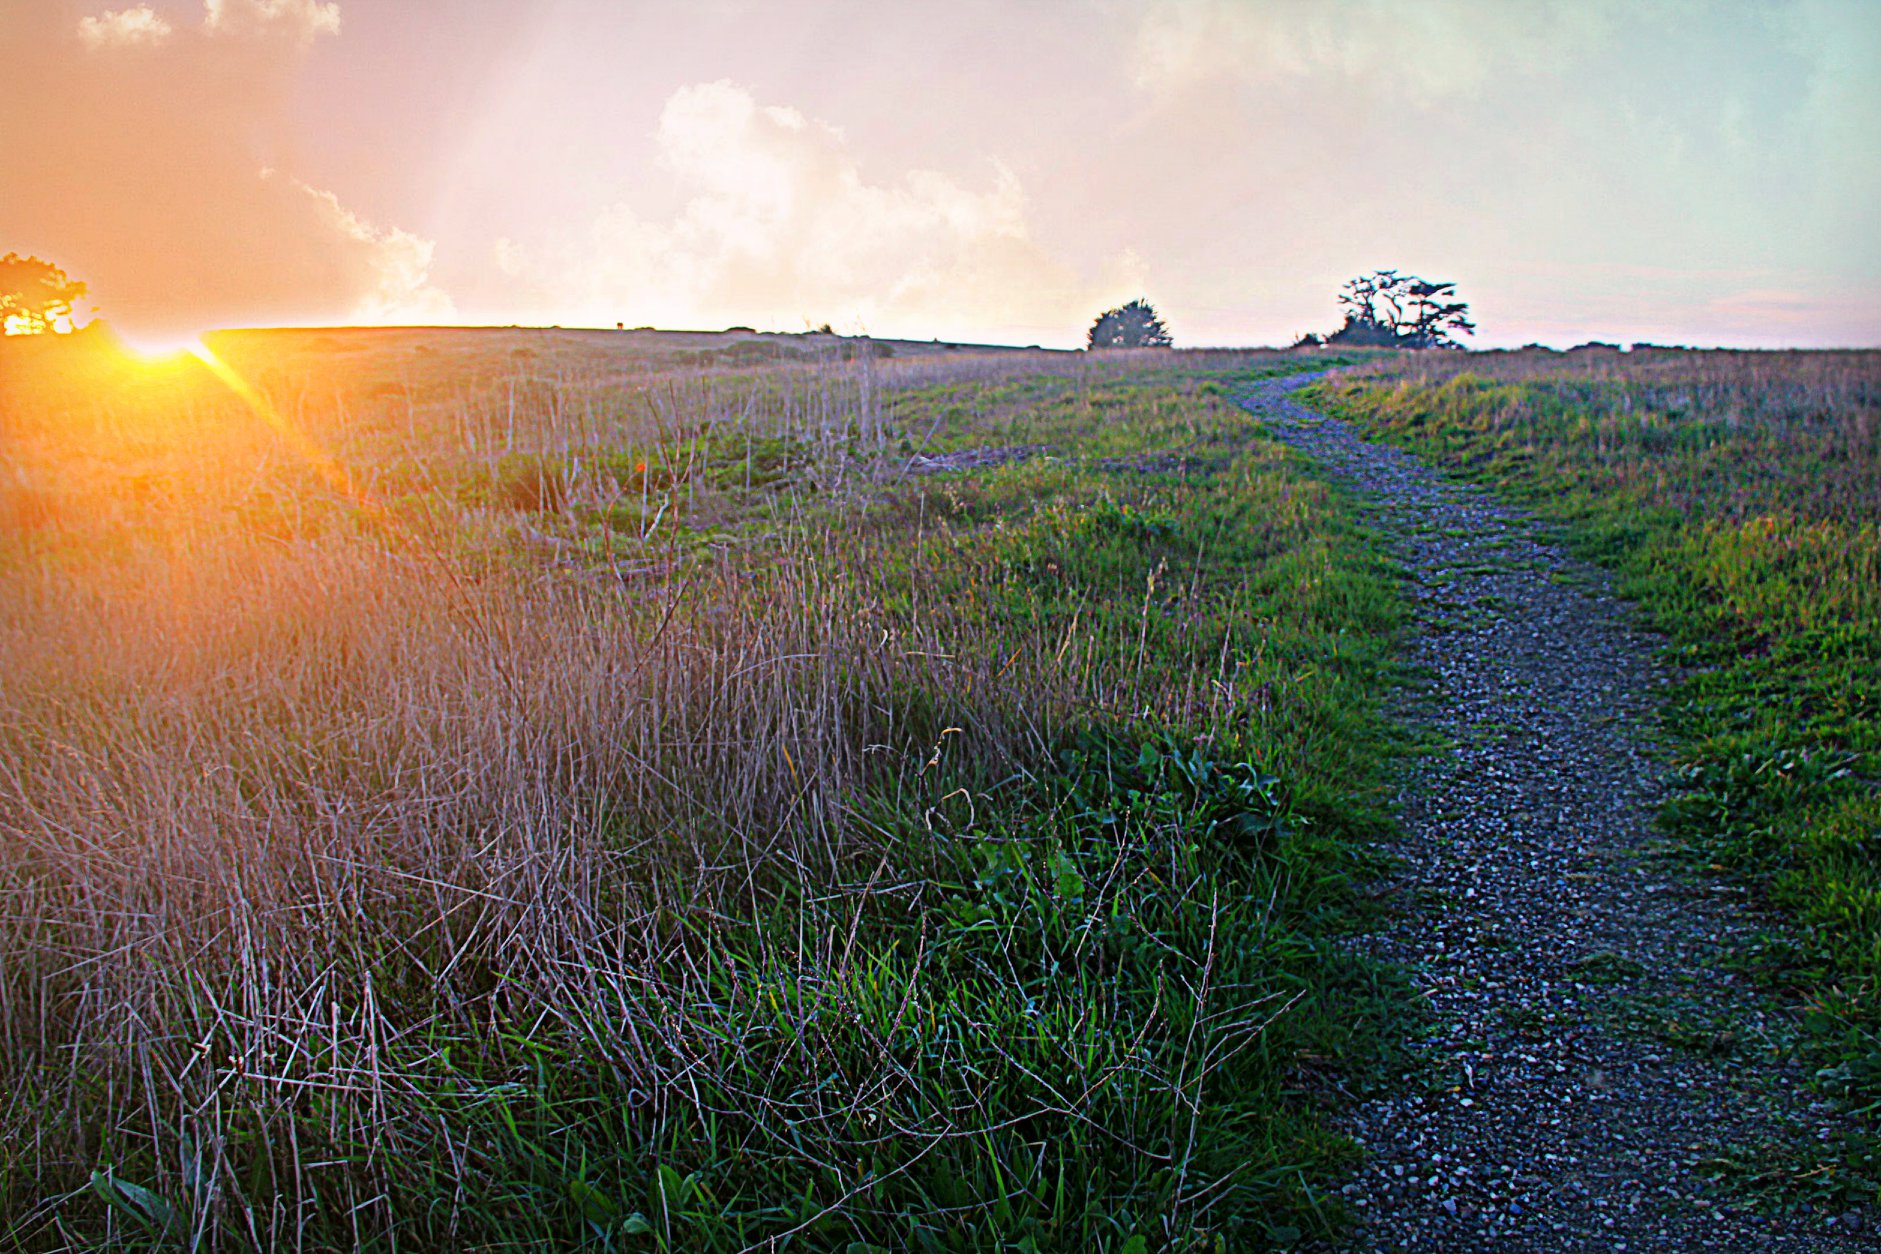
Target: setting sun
166, 348
156, 350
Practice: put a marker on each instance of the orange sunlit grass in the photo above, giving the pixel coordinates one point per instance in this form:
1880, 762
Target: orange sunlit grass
163, 442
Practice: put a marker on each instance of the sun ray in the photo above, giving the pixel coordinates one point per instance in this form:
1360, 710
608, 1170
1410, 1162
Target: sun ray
324, 464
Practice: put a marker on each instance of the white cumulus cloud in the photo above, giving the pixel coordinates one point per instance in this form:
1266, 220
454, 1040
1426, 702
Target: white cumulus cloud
780, 226
301, 19
122, 27
395, 266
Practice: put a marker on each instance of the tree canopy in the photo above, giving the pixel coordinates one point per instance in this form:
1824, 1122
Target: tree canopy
1389, 309
1135, 325
35, 296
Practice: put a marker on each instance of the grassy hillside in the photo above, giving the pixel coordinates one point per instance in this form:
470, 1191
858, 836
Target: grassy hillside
1738, 496
487, 789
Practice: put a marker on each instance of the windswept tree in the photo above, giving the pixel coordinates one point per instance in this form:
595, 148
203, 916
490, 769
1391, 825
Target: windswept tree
1135, 325
1402, 311
35, 296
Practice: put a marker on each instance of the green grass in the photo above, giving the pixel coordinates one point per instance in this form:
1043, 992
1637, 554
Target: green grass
676, 826
1738, 498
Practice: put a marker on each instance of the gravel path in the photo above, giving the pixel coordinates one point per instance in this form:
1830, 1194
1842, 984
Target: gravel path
1590, 1066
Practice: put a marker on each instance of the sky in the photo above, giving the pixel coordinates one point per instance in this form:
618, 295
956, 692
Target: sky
1674, 171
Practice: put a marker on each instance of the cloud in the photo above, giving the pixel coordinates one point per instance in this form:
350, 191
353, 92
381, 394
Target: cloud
1424, 52
398, 270
121, 27
148, 179
303, 20
780, 225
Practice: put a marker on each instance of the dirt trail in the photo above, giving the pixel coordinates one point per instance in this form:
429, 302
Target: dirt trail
1594, 1063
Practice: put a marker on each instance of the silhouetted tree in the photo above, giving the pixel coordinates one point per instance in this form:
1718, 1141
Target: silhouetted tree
1401, 310
1135, 325
35, 295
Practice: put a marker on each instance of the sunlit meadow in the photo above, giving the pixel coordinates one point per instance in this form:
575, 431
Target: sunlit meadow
470, 789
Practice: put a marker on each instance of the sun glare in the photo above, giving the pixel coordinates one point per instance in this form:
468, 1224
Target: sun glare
155, 351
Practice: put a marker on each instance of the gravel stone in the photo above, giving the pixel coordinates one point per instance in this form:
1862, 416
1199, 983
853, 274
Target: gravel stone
1568, 970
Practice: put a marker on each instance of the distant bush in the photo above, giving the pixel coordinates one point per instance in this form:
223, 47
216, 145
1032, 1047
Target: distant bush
526, 483
739, 353
1362, 332
1135, 325
852, 349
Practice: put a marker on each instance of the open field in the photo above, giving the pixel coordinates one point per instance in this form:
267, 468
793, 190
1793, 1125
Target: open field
650, 791
527, 789
1738, 498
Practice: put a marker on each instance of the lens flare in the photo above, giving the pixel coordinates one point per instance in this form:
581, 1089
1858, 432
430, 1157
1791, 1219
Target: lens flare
322, 462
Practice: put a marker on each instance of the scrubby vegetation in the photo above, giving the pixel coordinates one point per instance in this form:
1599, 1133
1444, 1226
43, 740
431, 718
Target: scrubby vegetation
500, 790
1738, 496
